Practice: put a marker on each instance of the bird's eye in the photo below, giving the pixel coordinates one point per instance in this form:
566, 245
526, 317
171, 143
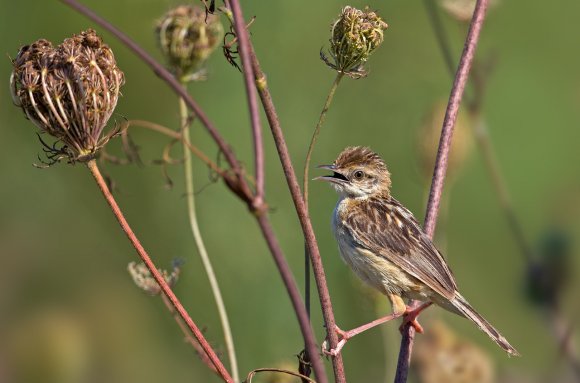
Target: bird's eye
359, 174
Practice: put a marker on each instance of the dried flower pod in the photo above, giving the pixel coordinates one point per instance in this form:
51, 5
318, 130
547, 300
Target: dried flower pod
187, 36
355, 35
428, 140
462, 10
69, 92
145, 281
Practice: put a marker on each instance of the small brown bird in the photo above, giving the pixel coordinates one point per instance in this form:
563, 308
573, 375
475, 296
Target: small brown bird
385, 246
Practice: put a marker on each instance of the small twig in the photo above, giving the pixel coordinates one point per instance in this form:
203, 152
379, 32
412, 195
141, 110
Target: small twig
315, 134
177, 136
288, 372
92, 165
305, 223
199, 243
441, 162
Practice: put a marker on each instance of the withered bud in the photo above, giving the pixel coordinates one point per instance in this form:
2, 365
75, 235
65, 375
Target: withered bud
145, 281
187, 35
69, 92
355, 35
428, 140
462, 10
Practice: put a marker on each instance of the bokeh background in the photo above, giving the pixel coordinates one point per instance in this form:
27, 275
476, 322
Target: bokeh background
69, 311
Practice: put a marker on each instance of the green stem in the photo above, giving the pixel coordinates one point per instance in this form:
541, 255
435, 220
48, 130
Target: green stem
190, 195
305, 180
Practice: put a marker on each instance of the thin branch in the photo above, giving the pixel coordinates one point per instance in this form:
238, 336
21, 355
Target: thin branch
178, 136
241, 189
244, 43
305, 223
441, 162
199, 243
92, 165
250, 72
315, 134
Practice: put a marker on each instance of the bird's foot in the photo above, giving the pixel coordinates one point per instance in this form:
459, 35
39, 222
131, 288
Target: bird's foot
344, 336
410, 317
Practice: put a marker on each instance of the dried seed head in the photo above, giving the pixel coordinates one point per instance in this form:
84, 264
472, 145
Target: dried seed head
145, 281
187, 36
355, 35
428, 140
69, 92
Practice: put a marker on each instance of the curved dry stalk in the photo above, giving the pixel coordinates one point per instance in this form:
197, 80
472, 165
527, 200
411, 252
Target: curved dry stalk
92, 166
282, 371
441, 162
315, 134
199, 243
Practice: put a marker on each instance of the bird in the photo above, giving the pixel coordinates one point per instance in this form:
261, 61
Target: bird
386, 247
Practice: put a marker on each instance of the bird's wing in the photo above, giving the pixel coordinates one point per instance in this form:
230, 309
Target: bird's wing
388, 229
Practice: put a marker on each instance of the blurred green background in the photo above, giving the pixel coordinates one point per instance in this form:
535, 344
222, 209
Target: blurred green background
69, 311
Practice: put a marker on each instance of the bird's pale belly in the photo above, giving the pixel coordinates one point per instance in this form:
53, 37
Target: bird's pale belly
379, 272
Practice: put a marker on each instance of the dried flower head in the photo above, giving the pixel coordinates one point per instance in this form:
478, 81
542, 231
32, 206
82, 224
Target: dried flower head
428, 140
355, 35
145, 281
462, 10
187, 36
69, 92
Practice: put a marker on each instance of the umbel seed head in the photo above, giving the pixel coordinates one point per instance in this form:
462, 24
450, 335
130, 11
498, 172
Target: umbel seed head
69, 92
355, 35
187, 36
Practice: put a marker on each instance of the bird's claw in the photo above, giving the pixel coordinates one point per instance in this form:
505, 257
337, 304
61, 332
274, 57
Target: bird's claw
344, 337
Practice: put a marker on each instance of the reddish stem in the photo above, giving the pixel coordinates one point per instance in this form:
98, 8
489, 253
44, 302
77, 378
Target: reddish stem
304, 219
92, 165
441, 162
244, 51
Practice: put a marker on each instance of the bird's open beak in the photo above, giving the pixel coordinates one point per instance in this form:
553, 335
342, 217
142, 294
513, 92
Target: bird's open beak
337, 177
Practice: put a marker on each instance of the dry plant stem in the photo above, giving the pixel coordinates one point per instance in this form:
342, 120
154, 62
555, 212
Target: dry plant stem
281, 371
482, 138
238, 186
441, 162
166, 76
199, 243
305, 223
187, 335
305, 183
316, 132
244, 43
92, 165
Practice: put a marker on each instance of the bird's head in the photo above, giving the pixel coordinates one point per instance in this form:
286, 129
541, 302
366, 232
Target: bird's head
358, 172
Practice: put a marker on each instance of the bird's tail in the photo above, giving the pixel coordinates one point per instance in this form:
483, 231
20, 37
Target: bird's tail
465, 309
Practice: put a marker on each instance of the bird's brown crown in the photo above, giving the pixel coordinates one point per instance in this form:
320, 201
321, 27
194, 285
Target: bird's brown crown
353, 156
376, 177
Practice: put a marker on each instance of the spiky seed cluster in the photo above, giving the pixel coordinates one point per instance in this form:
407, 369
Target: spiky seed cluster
144, 280
355, 35
187, 36
69, 92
